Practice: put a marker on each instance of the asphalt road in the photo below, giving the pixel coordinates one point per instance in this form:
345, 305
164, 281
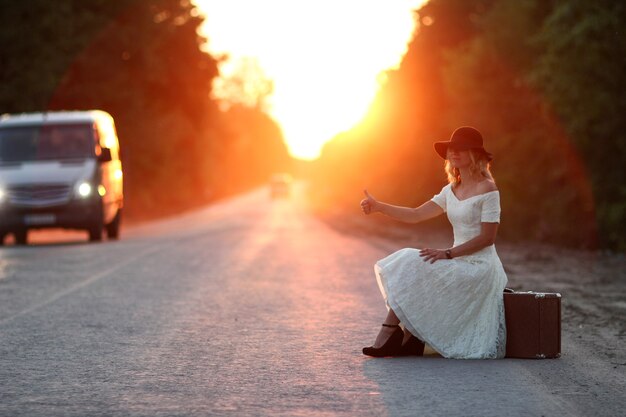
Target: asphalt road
248, 307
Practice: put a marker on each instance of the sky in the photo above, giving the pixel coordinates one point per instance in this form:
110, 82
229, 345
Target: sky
325, 58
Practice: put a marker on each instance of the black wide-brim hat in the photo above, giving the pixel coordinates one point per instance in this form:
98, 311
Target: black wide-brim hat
464, 138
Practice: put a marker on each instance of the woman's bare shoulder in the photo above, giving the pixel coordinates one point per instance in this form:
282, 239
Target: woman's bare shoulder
487, 186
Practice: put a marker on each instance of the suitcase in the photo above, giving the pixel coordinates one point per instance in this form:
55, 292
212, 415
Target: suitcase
533, 324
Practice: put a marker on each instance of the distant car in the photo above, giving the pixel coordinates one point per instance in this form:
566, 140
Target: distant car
280, 185
60, 170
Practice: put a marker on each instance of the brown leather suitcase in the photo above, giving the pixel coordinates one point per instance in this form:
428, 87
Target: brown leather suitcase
533, 324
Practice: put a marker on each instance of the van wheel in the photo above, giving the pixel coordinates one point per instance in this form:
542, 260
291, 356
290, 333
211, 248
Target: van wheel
113, 228
95, 232
21, 237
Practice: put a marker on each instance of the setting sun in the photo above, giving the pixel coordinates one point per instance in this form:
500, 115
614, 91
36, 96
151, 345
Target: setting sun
325, 58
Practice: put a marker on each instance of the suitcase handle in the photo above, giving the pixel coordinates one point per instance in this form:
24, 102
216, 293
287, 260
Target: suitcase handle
509, 290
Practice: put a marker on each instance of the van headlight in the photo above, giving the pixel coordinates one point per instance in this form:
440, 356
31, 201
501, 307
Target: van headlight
83, 189
3, 194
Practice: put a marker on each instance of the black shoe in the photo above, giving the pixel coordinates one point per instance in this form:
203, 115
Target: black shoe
412, 347
391, 346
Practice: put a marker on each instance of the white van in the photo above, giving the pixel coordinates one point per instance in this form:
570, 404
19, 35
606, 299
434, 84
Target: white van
60, 170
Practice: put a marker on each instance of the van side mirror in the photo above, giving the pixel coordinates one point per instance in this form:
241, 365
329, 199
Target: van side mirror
105, 155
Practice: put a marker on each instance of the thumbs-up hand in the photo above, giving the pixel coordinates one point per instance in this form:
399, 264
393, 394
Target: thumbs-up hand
369, 203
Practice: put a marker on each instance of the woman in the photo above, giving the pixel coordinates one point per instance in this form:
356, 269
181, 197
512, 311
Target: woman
449, 298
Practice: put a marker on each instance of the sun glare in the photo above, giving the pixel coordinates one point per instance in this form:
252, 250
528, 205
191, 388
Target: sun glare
324, 57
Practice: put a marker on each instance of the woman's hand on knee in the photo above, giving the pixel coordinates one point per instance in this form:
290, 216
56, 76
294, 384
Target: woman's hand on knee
433, 255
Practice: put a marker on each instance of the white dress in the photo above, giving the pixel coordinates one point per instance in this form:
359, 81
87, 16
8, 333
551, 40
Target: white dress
456, 306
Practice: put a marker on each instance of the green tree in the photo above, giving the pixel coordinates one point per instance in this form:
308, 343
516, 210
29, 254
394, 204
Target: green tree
582, 71
39, 39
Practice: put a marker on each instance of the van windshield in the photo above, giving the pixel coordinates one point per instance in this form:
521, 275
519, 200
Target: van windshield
40, 143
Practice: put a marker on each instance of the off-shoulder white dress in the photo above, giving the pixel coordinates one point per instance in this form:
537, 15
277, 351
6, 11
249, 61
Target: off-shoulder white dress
454, 305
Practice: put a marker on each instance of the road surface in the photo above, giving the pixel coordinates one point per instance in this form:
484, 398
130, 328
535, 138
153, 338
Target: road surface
248, 307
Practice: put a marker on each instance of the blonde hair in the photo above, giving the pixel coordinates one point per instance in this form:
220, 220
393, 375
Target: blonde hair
479, 164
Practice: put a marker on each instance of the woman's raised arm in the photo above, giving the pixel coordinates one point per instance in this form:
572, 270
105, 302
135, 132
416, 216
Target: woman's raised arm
426, 211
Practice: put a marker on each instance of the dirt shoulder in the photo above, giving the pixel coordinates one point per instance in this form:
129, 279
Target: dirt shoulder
592, 283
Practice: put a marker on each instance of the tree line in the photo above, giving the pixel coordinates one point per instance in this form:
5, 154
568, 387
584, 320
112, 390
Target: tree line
142, 61
544, 81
